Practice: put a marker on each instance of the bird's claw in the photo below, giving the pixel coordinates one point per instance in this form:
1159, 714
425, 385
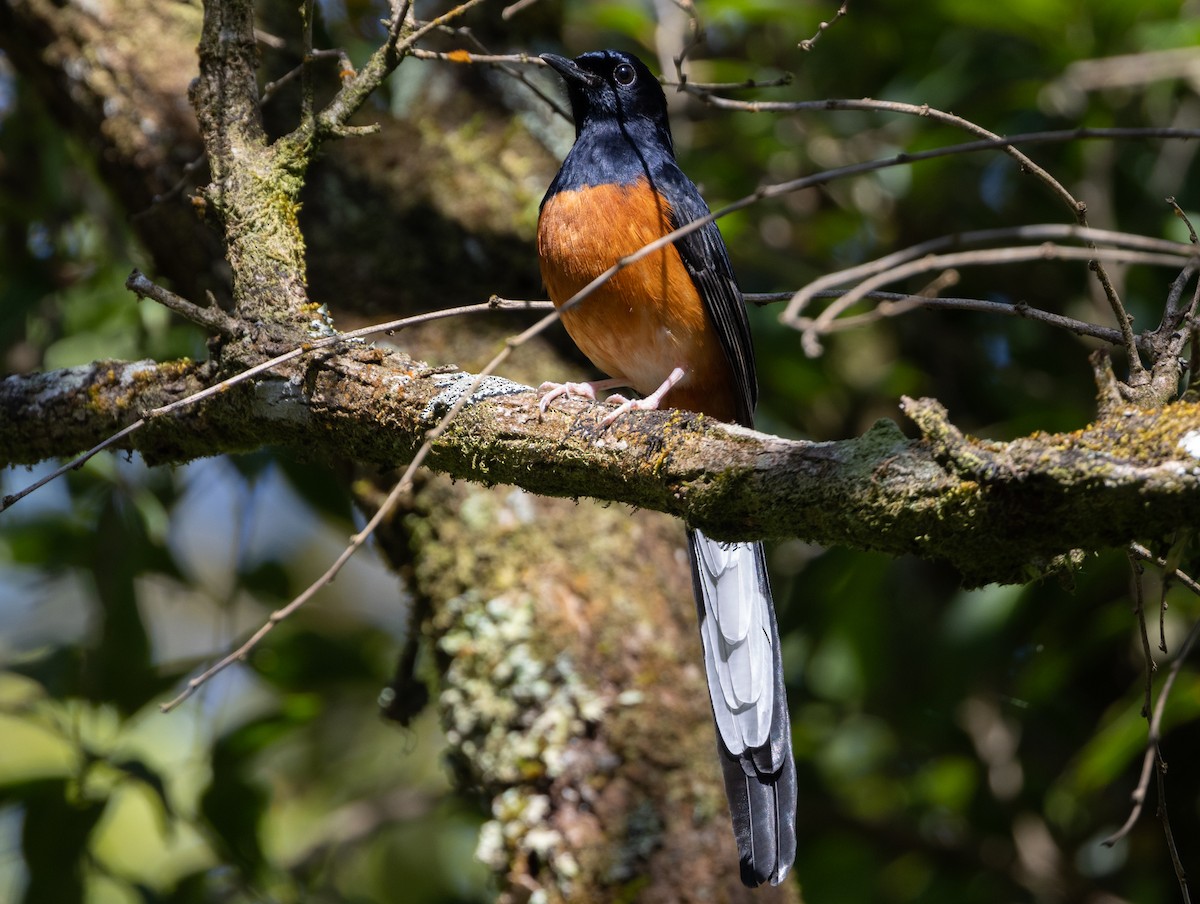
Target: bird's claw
551, 391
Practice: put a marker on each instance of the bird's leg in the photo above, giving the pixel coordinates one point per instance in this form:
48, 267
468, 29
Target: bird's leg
551, 391
649, 403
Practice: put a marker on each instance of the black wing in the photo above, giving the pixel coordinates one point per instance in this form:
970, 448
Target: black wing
704, 255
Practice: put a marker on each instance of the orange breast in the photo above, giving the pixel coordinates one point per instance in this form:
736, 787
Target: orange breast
649, 318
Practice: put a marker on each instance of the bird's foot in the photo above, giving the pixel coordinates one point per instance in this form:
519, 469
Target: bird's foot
649, 403
551, 391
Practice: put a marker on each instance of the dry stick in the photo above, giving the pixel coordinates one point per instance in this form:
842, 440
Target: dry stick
780, 82
1140, 609
270, 89
1180, 872
1164, 587
1137, 371
1045, 251
1035, 232
1175, 316
1183, 216
893, 304
1155, 733
809, 43
513, 8
331, 121
211, 317
434, 24
188, 168
307, 9
500, 62
468, 57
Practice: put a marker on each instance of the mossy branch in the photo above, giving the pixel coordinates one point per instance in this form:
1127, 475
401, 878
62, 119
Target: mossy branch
997, 511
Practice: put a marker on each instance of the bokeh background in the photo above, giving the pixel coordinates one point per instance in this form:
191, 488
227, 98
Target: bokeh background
954, 745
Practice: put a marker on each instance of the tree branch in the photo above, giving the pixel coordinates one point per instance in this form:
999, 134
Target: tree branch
945, 495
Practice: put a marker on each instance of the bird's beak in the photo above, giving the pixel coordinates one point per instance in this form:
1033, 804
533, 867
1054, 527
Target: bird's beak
570, 70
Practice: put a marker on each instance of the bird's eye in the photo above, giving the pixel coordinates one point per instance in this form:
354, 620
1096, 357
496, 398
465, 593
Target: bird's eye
624, 75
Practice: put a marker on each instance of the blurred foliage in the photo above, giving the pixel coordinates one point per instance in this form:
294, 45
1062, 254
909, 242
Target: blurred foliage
954, 745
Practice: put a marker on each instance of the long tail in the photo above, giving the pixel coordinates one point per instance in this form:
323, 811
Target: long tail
749, 702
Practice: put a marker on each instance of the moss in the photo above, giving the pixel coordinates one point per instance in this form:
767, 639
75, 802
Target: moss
510, 710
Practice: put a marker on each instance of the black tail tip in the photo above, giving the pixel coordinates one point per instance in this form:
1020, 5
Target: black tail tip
753, 875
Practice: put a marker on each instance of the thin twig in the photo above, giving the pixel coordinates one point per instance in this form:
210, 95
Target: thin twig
1140, 609
211, 317
1078, 209
271, 89
1137, 371
1175, 311
503, 62
809, 43
786, 79
1138, 795
513, 8
307, 8
188, 168
469, 57
989, 256
1172, 848
1183, 216
1039, 232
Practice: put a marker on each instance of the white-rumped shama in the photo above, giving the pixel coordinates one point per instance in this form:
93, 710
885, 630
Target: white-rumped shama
673, 326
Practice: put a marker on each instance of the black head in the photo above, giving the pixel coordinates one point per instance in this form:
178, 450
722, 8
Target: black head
608, 85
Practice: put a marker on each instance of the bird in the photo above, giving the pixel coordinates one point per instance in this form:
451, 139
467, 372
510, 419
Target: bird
673, 327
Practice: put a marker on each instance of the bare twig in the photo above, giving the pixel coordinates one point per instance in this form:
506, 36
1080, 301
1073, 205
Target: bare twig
1153, 754
346, 70
504, 62
1183, 216
815, 327
809, 43
188, 169
306, 81
786, 79
1172, 848
211, 317
1032, 233
1078, 209
1137, 372
469, 57
513, 8
1139, 609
